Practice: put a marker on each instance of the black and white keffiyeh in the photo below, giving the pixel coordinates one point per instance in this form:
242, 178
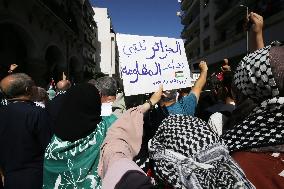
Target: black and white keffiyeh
254, 77
188, 154
39, 104
60, 93
264, 126
4, 102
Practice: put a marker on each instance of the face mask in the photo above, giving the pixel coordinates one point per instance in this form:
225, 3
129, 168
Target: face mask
106, 109
170, 95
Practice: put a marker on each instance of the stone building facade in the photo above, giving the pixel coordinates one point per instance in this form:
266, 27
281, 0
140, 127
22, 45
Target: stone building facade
107, 55
48, 37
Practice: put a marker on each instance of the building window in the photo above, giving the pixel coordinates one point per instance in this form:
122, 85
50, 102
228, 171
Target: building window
206, 43
206, 22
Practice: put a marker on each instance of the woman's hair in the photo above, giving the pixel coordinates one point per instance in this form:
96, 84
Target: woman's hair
106, 85
39, 95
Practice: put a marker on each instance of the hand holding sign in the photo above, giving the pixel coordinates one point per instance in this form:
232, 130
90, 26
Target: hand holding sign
156, 97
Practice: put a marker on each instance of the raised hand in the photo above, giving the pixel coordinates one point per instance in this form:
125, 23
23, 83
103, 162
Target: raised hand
156, 97
257, 22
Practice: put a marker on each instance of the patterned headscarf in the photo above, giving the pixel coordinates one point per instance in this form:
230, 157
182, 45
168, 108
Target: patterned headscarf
188, 154
255, 74
260, 76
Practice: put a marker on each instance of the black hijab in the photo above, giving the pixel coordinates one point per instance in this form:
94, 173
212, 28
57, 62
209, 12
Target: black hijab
79, 113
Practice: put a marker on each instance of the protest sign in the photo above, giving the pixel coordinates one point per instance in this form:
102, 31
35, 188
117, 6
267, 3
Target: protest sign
146, 62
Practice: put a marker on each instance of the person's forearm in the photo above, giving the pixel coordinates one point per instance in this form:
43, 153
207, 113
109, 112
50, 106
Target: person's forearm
256, 41
199, 84
145, 107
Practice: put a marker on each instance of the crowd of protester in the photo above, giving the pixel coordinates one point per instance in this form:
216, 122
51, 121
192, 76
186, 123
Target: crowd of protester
84, 135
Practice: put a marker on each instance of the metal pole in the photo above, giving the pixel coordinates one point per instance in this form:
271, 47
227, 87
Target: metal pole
110, 73
247, 32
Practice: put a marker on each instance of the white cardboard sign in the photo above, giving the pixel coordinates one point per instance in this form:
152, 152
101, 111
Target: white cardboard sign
146, 62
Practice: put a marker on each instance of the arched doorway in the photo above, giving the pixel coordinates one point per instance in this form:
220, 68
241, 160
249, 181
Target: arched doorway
55, 63
15, 48
75, 73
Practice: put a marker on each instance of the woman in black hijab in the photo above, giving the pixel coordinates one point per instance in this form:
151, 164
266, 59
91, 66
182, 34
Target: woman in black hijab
79, 114
72, 156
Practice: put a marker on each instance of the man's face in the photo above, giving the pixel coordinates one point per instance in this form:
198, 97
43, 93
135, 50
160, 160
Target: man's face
169, 95
106, 99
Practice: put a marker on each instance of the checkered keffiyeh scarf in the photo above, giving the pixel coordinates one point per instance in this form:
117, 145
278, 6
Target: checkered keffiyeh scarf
188, 154
3, 102
254, 77
60, 93
264, 126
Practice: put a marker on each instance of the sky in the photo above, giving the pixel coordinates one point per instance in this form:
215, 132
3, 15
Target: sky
144, 17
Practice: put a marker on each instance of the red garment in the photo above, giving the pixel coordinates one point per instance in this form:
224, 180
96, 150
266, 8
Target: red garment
262, 169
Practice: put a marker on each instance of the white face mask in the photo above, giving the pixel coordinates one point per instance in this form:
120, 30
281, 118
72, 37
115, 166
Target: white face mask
106, 108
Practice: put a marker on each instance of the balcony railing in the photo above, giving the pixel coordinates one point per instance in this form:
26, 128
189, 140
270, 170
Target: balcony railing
194, 42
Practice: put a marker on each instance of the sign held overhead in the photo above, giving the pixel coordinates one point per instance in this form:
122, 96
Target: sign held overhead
146, 62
